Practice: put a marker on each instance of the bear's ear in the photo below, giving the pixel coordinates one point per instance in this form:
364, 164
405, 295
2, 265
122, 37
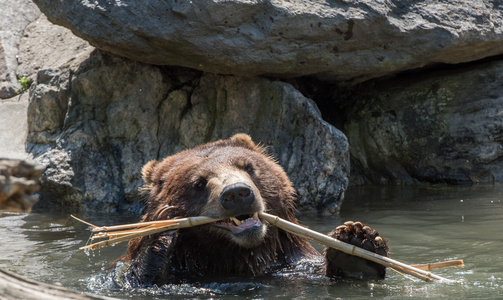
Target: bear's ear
245, 141
147, 171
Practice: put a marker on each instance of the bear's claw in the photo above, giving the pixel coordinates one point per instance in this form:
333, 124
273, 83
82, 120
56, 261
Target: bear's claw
341, 265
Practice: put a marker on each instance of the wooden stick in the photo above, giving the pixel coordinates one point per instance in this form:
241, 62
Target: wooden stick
349, 249
126, 226
149, 228
136, 225
80, 220
122, 233
115, 234
439, 265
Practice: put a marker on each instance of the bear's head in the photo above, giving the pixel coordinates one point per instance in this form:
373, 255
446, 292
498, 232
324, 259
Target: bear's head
230, 179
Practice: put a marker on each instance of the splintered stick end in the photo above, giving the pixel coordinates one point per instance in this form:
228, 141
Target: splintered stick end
82, 221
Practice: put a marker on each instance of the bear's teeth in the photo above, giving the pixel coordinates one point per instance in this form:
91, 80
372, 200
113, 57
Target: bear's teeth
236, 221
239, 222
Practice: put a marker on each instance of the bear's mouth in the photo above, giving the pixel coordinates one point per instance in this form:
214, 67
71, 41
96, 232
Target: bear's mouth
246, 230
240, 223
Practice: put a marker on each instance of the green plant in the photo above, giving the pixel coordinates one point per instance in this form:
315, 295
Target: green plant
25, 83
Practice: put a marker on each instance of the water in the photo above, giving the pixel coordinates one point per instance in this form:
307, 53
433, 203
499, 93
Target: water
423, 224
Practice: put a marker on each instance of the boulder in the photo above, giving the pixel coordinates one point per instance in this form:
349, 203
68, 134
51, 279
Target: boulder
440, 126
44, 46
348, 41
95, 129
14, 17
95, 118
29, 43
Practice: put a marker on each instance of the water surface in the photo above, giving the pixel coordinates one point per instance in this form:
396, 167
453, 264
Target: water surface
422, 224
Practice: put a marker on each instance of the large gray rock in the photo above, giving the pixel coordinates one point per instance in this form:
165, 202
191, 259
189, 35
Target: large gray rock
29, 42
44, 45
95, 129
438, 127
14, 17
336, 40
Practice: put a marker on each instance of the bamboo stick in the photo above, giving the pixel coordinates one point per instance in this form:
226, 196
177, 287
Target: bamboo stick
126, 226
85, 222
141, 229
136, 225
116, 240
439, 265
121, 233
115, 234
350, 249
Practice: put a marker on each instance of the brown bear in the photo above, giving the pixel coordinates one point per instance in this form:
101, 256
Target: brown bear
233, 180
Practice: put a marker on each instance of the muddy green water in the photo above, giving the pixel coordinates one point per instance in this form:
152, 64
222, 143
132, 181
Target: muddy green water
423, 224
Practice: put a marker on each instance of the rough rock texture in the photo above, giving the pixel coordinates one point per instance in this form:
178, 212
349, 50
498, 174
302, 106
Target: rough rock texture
337, 40
95, 130
44, 45
18, 183
95, 120
14, 17
437, 126
29, 42
14, 127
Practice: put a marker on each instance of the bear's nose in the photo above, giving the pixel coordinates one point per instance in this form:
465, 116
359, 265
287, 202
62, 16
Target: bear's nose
237, 197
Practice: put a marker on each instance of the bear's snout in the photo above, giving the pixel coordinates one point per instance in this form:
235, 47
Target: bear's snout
237, 197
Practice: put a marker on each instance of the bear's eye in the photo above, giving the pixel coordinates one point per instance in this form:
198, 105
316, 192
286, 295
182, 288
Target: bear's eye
200, 183
249, 169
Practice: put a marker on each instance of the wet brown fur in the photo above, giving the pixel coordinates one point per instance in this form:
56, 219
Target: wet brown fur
190, 184
171, 191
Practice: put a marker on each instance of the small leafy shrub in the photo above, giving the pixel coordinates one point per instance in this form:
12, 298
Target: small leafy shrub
25, 83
